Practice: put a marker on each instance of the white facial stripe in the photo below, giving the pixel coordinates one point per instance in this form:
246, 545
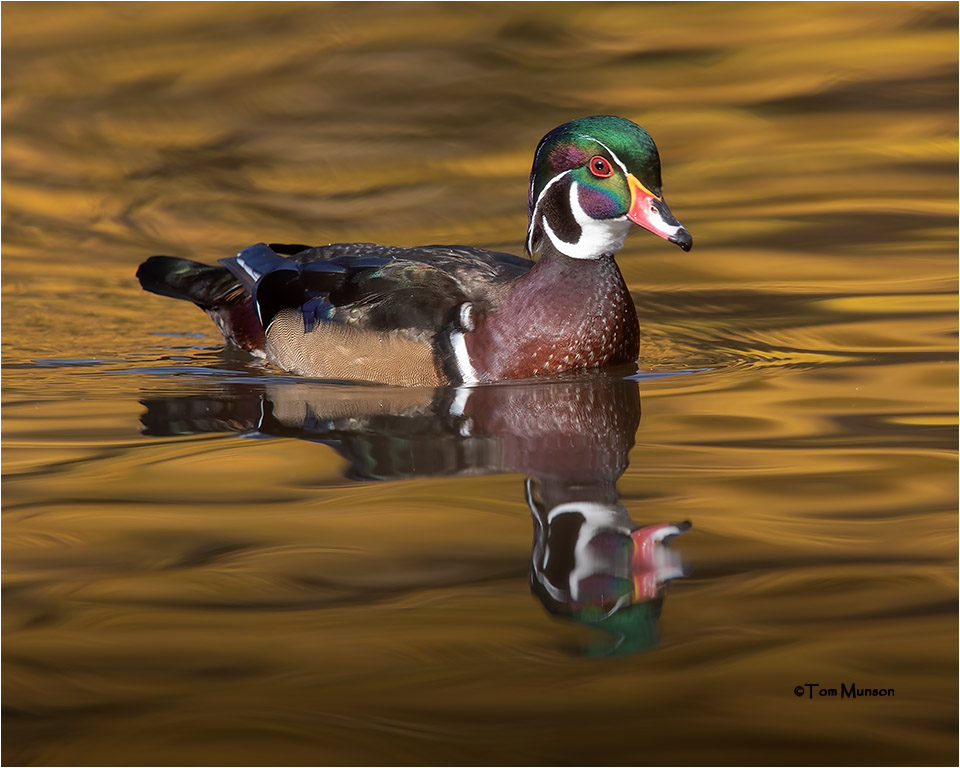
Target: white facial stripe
536, 206
561, 175
598, 237
666, 229
595, 514
612, 153
595, 518
462, 357
553, 591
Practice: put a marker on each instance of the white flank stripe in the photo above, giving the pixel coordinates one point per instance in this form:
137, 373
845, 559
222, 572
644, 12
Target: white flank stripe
466, 316
467, 372
460, 402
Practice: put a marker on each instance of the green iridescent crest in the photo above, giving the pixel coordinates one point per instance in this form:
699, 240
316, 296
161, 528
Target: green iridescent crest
571, 146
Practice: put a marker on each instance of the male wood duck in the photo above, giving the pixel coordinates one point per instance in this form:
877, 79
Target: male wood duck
435, 315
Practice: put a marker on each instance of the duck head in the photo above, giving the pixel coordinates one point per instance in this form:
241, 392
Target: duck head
591, 178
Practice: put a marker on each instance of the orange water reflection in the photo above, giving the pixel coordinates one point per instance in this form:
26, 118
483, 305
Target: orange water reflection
209, 598
590, 561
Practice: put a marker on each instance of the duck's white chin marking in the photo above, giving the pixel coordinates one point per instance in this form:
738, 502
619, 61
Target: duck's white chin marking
595, 518
598, 237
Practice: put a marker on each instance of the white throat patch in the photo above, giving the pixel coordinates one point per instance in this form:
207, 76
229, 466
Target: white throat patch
597, 237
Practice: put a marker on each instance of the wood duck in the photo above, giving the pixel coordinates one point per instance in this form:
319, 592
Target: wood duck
436, 315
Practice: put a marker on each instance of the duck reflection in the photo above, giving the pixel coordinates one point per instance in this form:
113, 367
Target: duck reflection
590, 562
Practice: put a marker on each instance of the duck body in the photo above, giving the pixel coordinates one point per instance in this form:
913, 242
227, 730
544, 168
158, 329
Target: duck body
435, 315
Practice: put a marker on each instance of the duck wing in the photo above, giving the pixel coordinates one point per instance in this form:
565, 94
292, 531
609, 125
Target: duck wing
375, 287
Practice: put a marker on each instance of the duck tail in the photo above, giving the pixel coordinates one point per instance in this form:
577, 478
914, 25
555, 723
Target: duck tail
214, 289
206, 286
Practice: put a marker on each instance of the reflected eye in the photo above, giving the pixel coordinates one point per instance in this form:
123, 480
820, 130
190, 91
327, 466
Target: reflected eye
600, 167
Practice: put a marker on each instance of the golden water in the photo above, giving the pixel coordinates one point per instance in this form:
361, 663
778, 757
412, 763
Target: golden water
188, 581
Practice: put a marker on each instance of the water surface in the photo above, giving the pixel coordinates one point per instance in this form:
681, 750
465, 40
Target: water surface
207, 562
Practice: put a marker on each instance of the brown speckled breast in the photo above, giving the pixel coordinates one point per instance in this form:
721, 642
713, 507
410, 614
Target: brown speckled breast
564, 315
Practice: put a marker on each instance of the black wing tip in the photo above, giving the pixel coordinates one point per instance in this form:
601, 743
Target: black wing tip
176, 278
156, 272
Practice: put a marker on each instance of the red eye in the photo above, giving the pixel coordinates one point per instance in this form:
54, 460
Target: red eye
600, 167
